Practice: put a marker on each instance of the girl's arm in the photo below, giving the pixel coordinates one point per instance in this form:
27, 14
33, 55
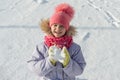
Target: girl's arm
77, 63
40, 64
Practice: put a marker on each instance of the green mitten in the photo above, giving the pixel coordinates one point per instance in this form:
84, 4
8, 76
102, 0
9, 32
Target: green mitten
65, 57
51, 55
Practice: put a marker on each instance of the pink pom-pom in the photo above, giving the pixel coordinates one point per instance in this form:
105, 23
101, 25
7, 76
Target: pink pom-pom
64, 7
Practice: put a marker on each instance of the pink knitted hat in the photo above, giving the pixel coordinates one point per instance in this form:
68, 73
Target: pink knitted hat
63, 15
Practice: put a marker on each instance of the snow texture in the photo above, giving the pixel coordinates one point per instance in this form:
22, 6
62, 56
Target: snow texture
97, 23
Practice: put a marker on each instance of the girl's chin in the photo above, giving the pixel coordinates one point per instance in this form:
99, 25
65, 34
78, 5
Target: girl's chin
57, 35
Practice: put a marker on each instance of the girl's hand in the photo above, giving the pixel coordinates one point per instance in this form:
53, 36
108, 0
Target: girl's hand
65, 57
54, 54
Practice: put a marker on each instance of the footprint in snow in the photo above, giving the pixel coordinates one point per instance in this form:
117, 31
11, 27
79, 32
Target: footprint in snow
41, 1
86, 36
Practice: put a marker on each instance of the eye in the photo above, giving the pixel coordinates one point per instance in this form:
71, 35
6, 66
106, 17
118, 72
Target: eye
55, 25
61, 26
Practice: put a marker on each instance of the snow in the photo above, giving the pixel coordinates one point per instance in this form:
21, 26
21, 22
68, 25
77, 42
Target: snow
97, 23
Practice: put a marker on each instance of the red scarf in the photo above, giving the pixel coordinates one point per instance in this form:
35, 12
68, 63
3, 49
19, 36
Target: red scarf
58, 41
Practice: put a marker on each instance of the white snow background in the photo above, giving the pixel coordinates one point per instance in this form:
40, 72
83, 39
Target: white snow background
98, 26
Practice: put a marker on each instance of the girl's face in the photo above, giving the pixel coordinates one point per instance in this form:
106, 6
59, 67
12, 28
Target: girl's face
58, 30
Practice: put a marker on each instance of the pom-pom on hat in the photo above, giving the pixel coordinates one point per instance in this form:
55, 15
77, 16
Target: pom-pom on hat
63, 15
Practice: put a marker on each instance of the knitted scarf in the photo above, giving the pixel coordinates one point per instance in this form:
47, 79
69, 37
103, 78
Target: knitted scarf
58, 41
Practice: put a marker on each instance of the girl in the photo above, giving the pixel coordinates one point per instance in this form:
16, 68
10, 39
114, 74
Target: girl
58, 57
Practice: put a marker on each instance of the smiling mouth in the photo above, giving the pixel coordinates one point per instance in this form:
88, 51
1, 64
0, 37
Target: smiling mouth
58, 32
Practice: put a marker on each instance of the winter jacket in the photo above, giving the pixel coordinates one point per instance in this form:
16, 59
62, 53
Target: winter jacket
41, 65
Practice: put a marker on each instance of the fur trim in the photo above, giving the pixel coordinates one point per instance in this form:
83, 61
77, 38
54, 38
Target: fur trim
44, 25
71, 31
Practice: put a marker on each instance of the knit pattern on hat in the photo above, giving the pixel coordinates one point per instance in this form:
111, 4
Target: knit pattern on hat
63, 15
65, 8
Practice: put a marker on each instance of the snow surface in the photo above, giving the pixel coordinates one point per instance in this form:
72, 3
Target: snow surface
98, 26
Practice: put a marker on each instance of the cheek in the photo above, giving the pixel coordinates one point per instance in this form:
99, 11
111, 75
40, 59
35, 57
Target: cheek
64, 31
52, 29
